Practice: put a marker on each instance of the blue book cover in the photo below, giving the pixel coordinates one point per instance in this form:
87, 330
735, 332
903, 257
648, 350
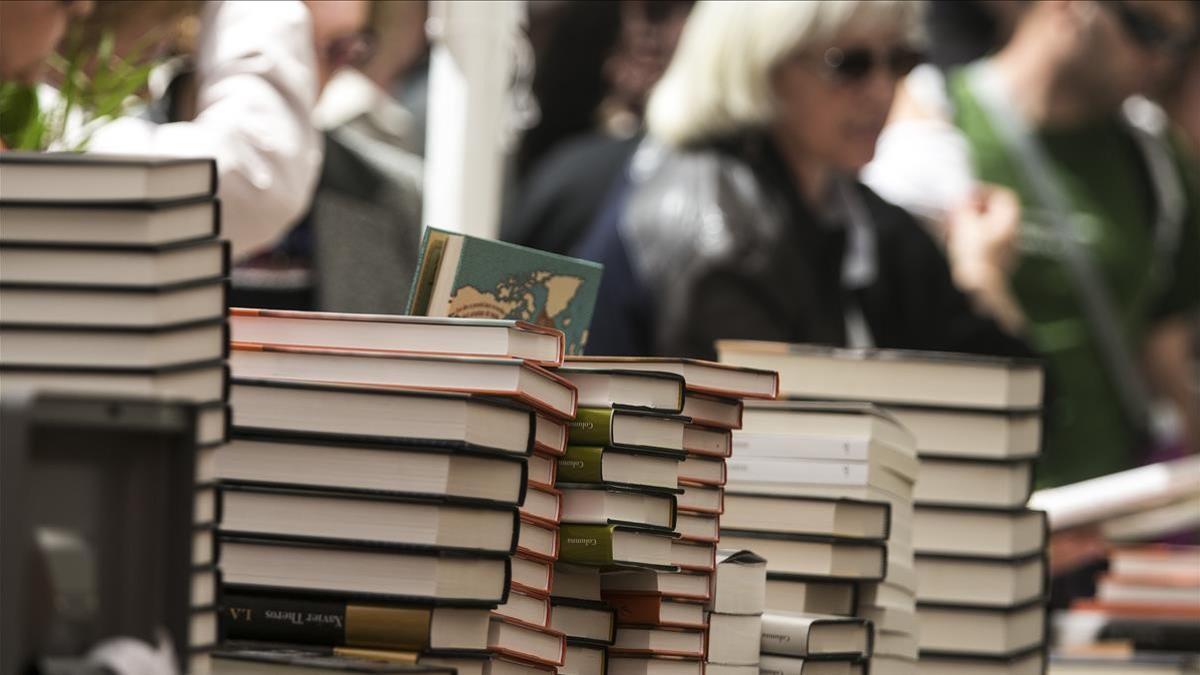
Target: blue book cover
459, 275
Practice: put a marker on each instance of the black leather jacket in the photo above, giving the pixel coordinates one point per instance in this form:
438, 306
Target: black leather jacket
721, 246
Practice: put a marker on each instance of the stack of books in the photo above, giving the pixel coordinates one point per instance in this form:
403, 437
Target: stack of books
651, 476
113, 281
824, 492
735, 613
377, 493
619, 481
979, 551
1147, 602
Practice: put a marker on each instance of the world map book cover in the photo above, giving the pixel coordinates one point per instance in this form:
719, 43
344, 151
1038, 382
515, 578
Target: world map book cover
459, 275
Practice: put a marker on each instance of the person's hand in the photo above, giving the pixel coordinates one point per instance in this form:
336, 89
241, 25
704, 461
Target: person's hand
981, 233
981, 236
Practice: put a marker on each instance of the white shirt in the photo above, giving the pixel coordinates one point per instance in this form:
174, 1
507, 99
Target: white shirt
923, 165
256, 88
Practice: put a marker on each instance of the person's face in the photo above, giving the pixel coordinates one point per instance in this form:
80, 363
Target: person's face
29, 32
832, 101
1132, 45
338, 35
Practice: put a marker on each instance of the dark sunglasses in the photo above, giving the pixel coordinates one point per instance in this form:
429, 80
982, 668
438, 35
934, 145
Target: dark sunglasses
354, 49
850, 66
1145, 30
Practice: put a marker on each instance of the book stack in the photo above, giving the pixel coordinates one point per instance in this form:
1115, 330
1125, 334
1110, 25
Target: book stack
113, 281
377, 494
619, 481
1147, 604
824, 492
651, 475
979, 552
735, 613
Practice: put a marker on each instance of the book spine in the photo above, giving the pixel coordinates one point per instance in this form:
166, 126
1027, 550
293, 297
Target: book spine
591, 426
586, 544
581, 464
330, 623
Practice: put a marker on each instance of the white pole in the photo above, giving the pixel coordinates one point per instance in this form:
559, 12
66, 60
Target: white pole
469, 73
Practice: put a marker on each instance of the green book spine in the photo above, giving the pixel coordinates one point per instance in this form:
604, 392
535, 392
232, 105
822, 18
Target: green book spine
592, 426
581, 464
586, 544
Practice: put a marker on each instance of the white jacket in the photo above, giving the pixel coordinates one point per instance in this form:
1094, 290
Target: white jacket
256, 90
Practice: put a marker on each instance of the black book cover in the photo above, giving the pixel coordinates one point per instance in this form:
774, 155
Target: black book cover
281, 618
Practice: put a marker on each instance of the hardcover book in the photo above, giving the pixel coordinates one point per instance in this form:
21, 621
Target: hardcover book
417, 521
387, 332
375, 573
627, 429
133, 266
112, 306
518, 380
614, 546
145, 224
463, 276
353, 464
619, 466
341, 622
893, 376
56, 177
308, 661
819, 635
631, 389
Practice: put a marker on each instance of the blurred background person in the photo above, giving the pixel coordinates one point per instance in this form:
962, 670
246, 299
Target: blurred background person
383, 98
961, 31
1102, 273
592, 97
743, 217
571, 43
29, 33
249, 105
355, 249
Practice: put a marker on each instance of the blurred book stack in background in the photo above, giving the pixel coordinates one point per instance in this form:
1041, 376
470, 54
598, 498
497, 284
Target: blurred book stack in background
980, 565
113, 282
1147, 601
1144, 613
651, 474
378, 486
824, 492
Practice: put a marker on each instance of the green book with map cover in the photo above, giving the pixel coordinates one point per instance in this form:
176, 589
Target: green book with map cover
459, 275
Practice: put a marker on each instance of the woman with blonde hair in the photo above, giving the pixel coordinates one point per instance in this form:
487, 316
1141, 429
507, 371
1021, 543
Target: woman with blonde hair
743, 216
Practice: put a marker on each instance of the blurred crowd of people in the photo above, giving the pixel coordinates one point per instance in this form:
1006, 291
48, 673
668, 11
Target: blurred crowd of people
1015, 178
